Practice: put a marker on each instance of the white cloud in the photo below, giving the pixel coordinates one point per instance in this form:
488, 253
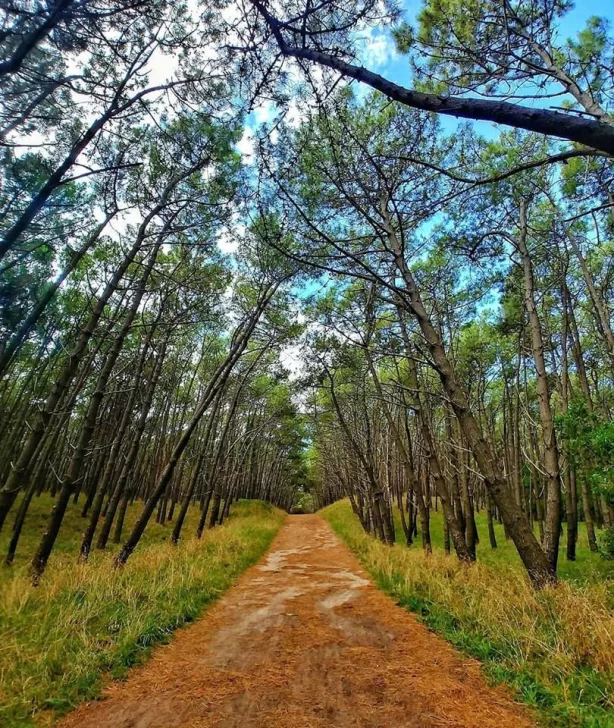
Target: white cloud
265, 112
246, 145
228, 238
119, 224
227, 242
378, 48
161, 68
292, 360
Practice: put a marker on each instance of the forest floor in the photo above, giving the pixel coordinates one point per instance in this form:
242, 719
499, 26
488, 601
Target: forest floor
304, 639
554, 647
62, 641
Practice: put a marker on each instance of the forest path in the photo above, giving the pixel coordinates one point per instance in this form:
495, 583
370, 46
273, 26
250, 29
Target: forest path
304, 640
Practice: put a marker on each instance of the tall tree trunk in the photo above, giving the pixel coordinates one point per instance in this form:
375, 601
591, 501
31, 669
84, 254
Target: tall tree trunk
537, 564
552, 525
41, 557
21, 471
240, 341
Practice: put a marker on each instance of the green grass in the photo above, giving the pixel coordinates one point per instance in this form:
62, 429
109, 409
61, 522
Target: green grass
588, 567
555, 648
71, 533
86, 624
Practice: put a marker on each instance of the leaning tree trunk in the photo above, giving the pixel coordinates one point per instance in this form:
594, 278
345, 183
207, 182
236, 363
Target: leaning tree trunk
189, 494
538, 566
73, 474
21, 470
239, 343
454, 527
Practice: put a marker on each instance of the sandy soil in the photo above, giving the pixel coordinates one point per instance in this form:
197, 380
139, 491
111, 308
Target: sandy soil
304, 640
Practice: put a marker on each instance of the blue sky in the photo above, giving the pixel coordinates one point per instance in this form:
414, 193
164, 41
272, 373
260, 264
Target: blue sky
379, 55
395, 67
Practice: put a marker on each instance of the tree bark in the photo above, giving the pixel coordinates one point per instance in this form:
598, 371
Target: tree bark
538, 566
552, 523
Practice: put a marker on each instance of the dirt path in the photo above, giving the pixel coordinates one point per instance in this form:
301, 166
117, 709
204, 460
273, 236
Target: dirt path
304, 640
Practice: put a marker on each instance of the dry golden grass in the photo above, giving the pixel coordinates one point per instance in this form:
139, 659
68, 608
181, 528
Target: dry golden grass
58, 641
556, 646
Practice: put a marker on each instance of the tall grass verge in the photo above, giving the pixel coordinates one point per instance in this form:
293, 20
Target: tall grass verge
555, 647
85, 623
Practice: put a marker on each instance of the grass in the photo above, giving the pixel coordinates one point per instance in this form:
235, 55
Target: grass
85, 624
555, 648
587, 568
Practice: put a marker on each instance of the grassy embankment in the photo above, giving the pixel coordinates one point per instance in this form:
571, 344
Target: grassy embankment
555, 648
84, 624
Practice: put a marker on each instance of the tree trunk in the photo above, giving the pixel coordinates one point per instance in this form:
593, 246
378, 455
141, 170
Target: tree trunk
538, 566
552, 525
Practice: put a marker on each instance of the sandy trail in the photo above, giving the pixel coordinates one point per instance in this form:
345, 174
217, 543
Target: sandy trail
304, 640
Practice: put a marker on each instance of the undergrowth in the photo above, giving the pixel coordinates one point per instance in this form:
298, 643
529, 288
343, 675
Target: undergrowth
60, 642
555, 647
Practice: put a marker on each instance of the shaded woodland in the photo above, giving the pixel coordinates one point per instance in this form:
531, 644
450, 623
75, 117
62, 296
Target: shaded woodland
448, 291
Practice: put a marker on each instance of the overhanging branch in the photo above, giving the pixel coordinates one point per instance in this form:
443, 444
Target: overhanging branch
589, 132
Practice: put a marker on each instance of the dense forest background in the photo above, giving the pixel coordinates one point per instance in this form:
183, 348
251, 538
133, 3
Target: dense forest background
285, 256
236, 263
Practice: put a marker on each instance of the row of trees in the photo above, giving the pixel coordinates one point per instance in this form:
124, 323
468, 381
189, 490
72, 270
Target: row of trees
440, 228
168, 391
471, 374
157, 347
138, 363
476, 362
